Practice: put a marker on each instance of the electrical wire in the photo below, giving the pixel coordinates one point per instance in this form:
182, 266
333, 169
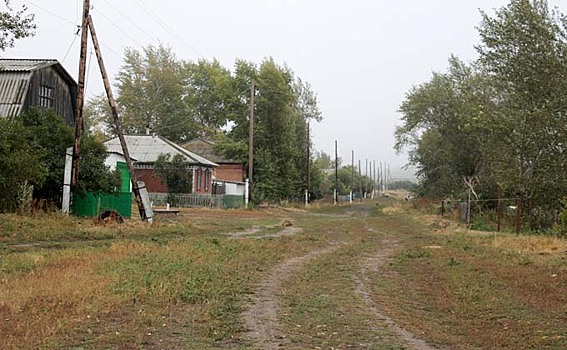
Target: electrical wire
121, 13
50, 12
88, 71
69, 49
118, 27
168, 29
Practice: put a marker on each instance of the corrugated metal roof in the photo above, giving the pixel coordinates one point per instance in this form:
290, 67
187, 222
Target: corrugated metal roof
147, 148
15, 75
24, 65
13, 88
205, 148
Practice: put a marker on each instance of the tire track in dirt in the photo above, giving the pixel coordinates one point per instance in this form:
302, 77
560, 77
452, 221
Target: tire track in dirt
261, 315
372, 264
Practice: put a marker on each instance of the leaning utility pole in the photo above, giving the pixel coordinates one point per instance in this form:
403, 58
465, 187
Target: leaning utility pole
80, 94
251, 141
117, 124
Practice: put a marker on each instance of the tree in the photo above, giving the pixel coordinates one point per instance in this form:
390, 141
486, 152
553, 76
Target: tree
150, 90
209, 96
20, 163
176, 173
33, 152
443, 131
283, 107
15, 25
524, 50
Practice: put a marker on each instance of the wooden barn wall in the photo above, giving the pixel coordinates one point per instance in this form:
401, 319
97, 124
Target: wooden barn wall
63, 95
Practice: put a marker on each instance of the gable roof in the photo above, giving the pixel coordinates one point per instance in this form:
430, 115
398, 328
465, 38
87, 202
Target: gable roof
147, 148
205, 148
15, 77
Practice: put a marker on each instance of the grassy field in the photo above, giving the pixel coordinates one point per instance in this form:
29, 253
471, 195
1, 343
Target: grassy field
184, 282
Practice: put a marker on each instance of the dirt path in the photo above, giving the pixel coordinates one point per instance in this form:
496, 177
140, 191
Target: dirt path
251, 233
261, 315
372, 264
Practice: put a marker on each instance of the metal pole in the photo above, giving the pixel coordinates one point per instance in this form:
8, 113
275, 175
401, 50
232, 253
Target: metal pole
80, 94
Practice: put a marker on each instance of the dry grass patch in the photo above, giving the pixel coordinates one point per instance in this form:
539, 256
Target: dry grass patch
531, 244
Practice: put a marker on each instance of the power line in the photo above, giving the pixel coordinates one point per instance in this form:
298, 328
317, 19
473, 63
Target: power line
50, 12
121, 13
167, 28
118, 27
70, 47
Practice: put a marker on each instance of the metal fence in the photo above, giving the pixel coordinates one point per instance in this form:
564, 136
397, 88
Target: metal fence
488, 214
190, 200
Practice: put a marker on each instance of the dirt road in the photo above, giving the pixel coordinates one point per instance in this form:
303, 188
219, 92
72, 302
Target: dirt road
263, 314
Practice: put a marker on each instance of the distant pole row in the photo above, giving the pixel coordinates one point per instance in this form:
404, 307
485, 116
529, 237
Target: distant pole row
378, 174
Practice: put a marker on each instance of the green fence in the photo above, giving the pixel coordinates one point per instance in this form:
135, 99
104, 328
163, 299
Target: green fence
92, 204
232, 202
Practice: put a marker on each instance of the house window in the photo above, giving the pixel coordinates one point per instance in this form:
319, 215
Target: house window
45, 96
207, 178
199, 176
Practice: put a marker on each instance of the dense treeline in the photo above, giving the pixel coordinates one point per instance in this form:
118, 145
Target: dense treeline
499, 123
181, 100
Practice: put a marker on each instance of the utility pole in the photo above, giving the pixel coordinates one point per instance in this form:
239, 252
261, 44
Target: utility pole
251, 140
366, 180
381, 177
114, 109
360, 179
336, 194
80, 94
308, 163
352, 179
374, 183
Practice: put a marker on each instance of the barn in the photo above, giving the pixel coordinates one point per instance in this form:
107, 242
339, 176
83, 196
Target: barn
36, 83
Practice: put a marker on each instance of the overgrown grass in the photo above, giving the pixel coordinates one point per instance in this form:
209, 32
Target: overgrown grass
177, 283
68, 283
473, 290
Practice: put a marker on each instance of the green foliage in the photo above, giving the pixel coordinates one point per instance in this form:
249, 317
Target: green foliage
181, 100
176, 173
94, 176
15, 25
403, 185
284, 105
20, 162
33, 152
500, 120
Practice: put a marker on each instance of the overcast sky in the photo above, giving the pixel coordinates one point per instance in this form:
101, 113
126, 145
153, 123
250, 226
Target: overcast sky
360, 56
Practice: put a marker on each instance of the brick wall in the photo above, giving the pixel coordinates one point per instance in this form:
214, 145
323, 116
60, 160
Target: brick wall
230, 172
153, 183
